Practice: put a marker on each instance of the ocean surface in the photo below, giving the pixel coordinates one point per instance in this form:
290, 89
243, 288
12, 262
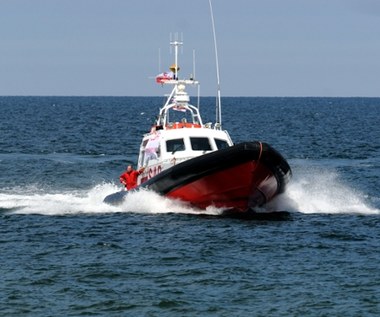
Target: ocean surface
66, 253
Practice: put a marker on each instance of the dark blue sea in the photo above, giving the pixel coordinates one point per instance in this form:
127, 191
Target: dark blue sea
65, 253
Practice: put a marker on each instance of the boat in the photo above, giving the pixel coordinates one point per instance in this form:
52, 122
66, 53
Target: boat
184, 158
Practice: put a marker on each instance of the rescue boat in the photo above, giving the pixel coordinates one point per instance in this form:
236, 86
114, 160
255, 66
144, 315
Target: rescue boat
184, 158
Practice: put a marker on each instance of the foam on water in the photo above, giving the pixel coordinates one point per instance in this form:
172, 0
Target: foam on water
311, 190
37, 201
317, 190
149, 202
40, 201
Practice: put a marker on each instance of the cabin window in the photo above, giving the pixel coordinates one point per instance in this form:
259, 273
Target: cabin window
175, 145
142, 152
221, 144
200, 144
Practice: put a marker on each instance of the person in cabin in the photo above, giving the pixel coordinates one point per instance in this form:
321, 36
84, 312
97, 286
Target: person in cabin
152, 147
129, 177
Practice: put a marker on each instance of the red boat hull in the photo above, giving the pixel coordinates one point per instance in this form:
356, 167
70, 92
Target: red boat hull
239, 187
240, 178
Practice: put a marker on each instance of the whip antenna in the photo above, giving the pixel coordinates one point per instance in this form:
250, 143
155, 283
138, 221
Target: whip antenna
218, 124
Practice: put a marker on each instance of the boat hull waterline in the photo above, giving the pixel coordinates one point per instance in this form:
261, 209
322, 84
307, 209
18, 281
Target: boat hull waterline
237, 179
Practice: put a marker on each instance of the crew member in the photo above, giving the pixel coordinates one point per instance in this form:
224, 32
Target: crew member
129, 177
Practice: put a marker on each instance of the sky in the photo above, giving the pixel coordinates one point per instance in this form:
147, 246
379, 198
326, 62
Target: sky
117, 47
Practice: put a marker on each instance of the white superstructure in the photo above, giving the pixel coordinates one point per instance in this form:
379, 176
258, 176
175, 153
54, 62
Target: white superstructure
179, 133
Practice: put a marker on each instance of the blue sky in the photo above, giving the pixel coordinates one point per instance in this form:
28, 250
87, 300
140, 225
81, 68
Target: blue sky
266, 47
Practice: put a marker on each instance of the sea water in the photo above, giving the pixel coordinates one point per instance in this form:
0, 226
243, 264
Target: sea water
65, 252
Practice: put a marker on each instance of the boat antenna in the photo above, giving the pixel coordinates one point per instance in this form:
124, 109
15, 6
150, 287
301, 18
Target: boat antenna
159, 60
218, 99
175, 43
193, 74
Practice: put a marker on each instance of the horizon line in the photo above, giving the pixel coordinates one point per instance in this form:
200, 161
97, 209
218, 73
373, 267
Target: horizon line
152, 96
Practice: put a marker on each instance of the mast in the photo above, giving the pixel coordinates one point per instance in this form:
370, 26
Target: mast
178, 96
218, 124
176, 43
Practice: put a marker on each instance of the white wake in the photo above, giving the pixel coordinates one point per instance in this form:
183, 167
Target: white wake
37, 201
310, 191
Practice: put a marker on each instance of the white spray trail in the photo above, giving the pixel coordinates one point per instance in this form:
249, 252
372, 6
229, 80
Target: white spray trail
312, 190
38, 201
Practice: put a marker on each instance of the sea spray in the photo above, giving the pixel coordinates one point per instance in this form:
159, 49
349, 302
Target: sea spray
90, 201
321, 190
42, 201
313, 189
145, 201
